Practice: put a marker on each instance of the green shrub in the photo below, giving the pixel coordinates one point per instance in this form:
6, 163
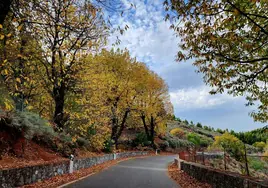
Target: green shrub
256, 164
260, 145
141, 139
33, 127
207, 128
194, 138
219, 131
251, 149
204, 142
177, 119
199, 125
31, 124
174, 142
108, 146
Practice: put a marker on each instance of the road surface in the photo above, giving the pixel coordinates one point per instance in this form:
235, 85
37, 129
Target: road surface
149, 172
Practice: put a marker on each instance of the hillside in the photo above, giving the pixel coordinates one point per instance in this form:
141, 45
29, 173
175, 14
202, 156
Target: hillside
250, 138
207, 139
182, 135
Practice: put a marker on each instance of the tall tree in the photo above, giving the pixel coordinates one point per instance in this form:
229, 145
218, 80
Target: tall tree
117, 91
65, 28
18, 55
227, 41
153, 103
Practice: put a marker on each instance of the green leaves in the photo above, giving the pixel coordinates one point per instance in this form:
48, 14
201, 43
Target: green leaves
228, 42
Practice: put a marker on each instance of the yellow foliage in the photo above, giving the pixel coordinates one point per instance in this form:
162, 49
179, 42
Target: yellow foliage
177, 132
8, 106
229, 144
226, 140
260, 145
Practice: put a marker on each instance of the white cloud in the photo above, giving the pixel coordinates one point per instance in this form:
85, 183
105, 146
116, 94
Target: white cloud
150, 40
196, 98
149, 37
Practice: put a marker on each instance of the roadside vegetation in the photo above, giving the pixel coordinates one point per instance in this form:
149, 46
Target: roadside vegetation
230, 150
65, 93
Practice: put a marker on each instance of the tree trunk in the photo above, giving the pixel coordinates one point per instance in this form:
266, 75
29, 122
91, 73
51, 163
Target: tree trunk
114, 122
246, 159
4, 8
152, 126
59, 95
145, 127
121, 128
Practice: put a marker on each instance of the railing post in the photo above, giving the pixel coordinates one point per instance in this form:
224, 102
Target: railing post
71, 167
179, 162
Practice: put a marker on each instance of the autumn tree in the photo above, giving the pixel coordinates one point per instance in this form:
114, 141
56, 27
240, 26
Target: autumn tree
230, 144
227, 41
153, 103
66, 30
18, 59
111, 90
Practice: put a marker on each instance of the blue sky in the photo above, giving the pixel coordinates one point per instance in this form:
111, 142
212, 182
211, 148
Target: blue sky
150, 40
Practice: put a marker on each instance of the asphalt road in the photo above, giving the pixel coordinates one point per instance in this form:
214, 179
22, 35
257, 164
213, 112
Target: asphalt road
149, 172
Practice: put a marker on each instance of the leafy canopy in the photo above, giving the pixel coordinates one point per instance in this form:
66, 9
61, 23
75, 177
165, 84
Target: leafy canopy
227, 40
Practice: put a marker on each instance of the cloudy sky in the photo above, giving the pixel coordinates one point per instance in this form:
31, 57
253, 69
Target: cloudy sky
152, 42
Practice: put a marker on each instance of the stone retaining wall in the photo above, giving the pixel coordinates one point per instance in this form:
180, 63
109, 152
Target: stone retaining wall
219, 179
22, 176
88, 162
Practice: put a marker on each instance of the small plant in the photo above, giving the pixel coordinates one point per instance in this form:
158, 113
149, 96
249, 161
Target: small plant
177, 132
186, 122
141, 139
175, 142
108, 146
199, 125
206, 128
260, 145
256, 164
32, 124
194, 138
219, 131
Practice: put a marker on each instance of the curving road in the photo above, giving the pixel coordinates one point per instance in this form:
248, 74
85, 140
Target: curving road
149, 172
